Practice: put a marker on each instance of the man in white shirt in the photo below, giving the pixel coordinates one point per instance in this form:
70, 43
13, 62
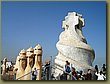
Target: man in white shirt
100, 76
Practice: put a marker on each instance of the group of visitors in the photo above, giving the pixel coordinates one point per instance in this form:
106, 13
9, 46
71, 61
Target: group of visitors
70, 73
100, 74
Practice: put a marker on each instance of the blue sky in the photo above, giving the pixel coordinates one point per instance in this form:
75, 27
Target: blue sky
26, 24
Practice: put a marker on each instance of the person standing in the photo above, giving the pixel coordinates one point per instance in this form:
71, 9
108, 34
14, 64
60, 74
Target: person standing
74, 74
67, 70
103, 69
97, 70
47, 70
100, 76
34, 74
88, 75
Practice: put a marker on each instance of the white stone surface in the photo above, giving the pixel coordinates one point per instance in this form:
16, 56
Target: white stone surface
72, 45
38, 60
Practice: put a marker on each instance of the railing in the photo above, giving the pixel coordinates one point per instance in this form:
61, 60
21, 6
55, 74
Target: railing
13, 76
70, 74
24, 75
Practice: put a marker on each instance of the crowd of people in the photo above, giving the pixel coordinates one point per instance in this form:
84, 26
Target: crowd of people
72, 74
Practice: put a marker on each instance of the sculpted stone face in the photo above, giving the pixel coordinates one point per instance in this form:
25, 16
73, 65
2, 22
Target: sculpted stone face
30, 55
38, 50
22, 56
30, 52
38, 60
